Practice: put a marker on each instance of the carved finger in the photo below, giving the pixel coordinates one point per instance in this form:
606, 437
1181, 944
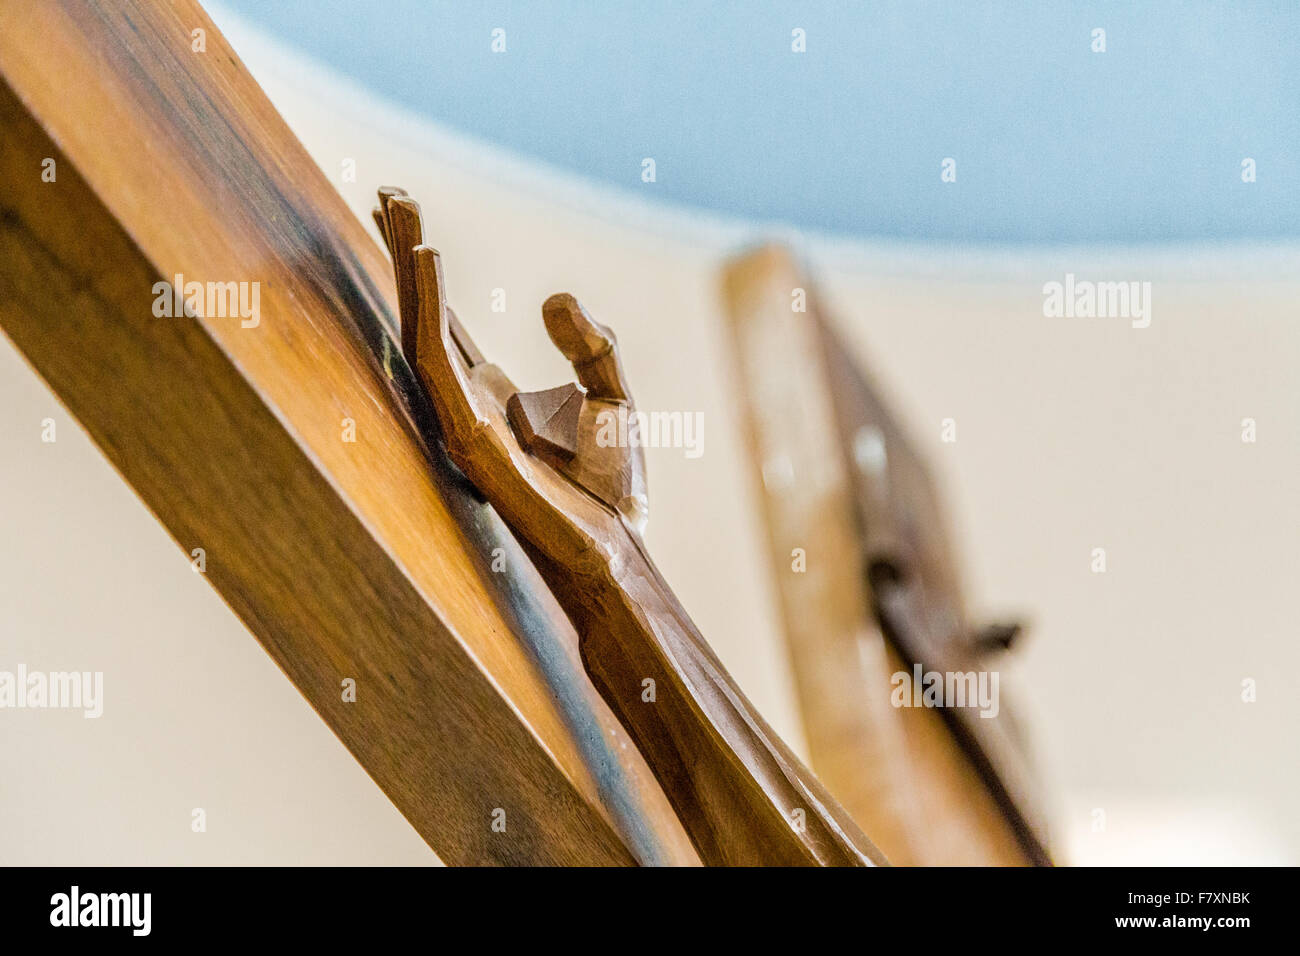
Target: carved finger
440, 363
380, 213
400, 223
589, 345
407, 232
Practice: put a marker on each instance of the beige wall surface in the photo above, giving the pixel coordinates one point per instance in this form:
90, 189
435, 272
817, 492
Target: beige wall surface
1072, 434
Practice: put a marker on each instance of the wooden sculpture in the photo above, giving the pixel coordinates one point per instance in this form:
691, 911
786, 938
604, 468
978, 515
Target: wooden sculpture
879, 595
625, 742
367, 559
578, 504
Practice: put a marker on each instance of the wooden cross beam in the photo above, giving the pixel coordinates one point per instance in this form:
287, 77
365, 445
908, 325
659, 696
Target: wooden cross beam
286, 435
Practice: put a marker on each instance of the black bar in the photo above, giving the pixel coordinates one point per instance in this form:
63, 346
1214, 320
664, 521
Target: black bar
455, 910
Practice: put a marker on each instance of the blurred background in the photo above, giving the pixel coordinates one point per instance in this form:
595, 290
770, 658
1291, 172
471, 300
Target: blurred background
1119, 163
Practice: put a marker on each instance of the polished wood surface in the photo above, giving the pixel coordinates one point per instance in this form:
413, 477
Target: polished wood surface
577, 499
816, 431
296, 451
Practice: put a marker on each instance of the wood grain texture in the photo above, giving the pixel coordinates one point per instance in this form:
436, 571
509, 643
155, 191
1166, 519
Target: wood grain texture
367, 559
815, 430
742, 795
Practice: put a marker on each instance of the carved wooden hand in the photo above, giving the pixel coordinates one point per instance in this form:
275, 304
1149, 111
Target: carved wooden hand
578, 504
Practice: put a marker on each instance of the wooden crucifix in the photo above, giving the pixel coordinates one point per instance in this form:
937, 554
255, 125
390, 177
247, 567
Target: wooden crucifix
368, 558
318, 421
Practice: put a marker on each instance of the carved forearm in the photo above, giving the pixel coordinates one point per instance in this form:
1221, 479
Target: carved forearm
742, 796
